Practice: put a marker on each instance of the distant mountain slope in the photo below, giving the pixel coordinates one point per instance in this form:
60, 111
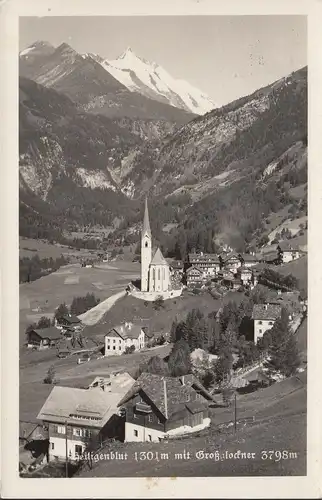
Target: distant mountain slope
224, 173
84, 80
151, 80
65, 157
217, 148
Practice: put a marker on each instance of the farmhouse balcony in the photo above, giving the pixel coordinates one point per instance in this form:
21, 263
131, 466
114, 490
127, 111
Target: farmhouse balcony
143, 408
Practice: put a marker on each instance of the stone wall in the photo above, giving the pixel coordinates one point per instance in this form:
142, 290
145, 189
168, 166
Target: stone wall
152, 296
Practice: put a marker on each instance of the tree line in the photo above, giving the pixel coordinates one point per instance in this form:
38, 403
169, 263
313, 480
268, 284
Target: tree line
30, 269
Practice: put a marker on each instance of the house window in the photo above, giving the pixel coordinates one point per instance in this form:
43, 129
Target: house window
109, 347
52, 446
260, 331
77, 431
197, 395
61, 429
260, 322
120, 348
159, 421
150, 437
146, 244
136, 433
78, 450
114, 340
113, 347
135, 415
187, 398
159, 274
150, 418
270, 322
120, 341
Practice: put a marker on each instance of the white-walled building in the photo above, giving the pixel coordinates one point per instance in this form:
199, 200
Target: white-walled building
155, 272
287, 252
123, 336
74, 417
264, 316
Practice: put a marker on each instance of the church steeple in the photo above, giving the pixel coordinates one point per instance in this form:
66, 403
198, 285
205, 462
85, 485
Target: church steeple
146, 249
146, 223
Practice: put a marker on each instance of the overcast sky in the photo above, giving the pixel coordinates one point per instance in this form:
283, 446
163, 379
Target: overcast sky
224, 56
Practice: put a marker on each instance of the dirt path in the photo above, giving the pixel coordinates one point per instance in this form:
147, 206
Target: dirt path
93, 316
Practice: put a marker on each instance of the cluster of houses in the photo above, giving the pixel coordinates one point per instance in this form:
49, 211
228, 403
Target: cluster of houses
65, 327
231, 270
234, 270
149, 409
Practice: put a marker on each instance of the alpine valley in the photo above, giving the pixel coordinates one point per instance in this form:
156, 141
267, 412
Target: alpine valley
97, 135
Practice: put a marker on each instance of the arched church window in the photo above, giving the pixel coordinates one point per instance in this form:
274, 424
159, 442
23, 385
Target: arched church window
153, 273
163, 273
159, 274
146, 244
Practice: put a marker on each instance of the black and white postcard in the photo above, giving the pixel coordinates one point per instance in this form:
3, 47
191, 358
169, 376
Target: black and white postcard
161, 333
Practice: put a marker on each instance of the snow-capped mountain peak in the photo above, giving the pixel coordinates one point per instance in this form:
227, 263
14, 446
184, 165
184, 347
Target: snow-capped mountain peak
151, 80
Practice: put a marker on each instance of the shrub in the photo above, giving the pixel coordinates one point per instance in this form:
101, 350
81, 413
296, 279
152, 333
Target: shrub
129, 349
50, 377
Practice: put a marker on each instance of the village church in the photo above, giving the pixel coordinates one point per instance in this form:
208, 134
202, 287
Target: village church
155, 271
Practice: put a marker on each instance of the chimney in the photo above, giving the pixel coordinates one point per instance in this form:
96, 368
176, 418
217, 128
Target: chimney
165, 398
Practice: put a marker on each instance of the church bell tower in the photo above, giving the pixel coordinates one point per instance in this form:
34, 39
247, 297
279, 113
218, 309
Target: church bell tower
146, 249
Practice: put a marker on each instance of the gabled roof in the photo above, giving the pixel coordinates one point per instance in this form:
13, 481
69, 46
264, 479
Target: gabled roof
266, 311
194, 268
158, 259
231, 255
88, 407
247, 257
155, 387
205, 257
51, 333
125, 332
287, 246
244, 269
71, 319
146, 223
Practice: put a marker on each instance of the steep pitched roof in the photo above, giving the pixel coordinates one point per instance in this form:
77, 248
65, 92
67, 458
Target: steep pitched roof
248, 257
194, 268
71, 319
266, 311
126, 332
168, 394
146, 222
83, 406
51, 333
158, 258
287, 246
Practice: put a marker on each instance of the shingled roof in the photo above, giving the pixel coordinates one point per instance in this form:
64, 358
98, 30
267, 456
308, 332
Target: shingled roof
266, 311
50, 333
155, 387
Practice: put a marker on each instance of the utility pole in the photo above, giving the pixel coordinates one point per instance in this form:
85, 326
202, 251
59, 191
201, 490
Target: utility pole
235, 420
66, 449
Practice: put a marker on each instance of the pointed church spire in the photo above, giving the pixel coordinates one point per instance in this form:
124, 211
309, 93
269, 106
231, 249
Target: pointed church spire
146, 223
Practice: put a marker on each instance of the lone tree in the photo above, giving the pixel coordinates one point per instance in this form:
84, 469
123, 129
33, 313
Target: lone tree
159, 302
179, 360
50, 377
